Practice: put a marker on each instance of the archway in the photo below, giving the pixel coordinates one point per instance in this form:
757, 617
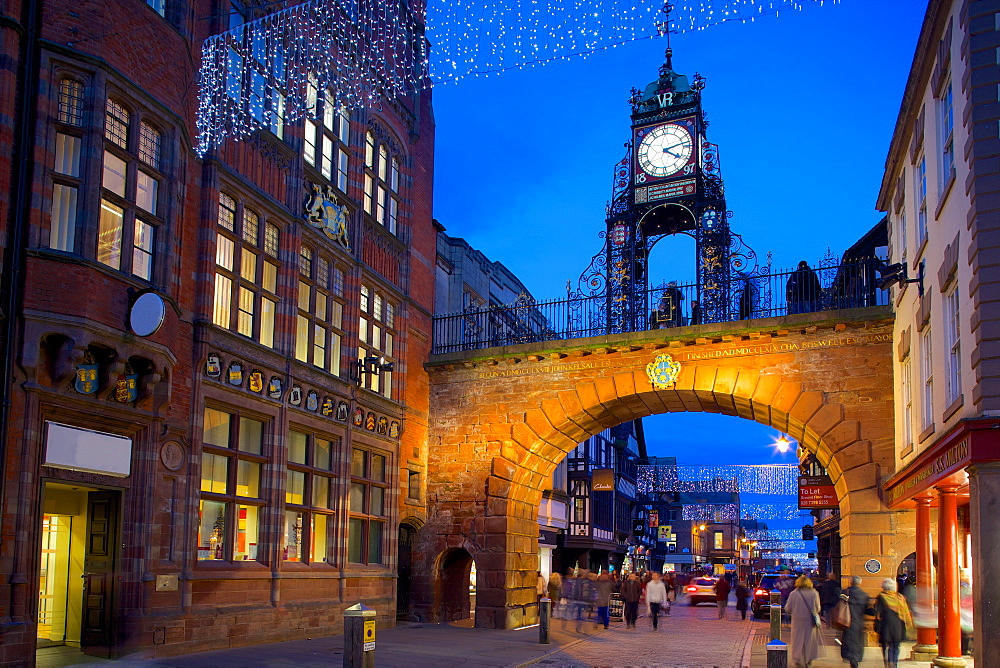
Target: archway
454, 585
503, 420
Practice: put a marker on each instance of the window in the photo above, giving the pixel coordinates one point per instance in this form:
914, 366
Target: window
368, 507
377, 337
159, 6
66, 176
319, 324
953, 352
906, 395
947, 120
326, 140
130, 196
231, 491
381, 183
255, 74
927, 377
902, 236
921, 194
308, 507
717, 537
244, 276
413, 486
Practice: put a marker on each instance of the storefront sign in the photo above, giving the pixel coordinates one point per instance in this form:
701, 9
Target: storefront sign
87, 450
603, 480
663, 533
817, 492
946, 463
654, 518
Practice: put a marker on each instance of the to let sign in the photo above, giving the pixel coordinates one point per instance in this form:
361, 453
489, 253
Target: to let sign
817, 492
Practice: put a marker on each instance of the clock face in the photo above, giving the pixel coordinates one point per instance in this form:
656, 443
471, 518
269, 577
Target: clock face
665, 150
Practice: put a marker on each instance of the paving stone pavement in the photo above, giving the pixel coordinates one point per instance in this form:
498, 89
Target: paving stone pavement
690, 637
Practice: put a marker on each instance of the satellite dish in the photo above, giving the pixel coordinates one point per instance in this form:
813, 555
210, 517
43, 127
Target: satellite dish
146, 314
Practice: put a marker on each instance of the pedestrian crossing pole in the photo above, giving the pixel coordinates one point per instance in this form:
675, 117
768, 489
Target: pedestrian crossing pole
544, 616
777, 654
775, 615
359, 636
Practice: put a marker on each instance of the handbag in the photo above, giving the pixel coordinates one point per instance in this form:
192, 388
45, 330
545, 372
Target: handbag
816, 621
841, 616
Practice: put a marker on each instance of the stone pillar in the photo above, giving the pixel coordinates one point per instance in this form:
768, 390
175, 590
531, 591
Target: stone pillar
949, 616
984, 487
926, 647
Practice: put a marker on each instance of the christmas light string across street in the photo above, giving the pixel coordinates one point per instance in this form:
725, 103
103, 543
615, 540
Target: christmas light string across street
362, 53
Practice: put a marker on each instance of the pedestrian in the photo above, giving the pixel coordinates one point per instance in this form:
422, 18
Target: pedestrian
542, 587
852, 640
604, 586
631, 592
829, 594
656, 596
803, 608
802, 290
555, 591
670, 582
587, 595
892, 619
668, 313
722, 589
742, 597
571, 592
695, 313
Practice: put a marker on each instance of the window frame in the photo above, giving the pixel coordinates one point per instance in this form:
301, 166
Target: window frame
953, 346
381, 196
373, 324
265, 265
318, 288
309, 510
926, 379
233, 454
365, 516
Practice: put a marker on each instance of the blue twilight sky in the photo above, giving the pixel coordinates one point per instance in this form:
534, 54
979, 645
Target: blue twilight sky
801, 105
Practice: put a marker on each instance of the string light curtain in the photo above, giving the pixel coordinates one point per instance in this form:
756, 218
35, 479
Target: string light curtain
780, 479
365, 52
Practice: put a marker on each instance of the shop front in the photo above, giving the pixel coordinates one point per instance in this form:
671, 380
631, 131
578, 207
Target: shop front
954, 487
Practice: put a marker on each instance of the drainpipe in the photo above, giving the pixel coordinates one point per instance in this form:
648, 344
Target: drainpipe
11, 282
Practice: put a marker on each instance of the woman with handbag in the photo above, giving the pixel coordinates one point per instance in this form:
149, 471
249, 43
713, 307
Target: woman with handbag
892, 619
803, 608
852, 640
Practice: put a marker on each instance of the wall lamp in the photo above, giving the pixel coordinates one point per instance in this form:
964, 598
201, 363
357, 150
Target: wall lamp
369, 366
891, 274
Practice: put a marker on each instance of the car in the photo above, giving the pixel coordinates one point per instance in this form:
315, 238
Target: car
701, 590
760, 606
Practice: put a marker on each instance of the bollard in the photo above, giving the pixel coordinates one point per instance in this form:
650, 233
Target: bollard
544, 615
777, 654
359, 637
775, 614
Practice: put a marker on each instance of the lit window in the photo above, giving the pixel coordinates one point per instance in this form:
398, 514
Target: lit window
367, 507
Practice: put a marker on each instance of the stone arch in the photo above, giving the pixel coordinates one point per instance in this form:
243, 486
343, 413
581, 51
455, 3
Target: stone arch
452, 571
502, 424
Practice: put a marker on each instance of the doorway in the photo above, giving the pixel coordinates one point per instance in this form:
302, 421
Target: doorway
79, 528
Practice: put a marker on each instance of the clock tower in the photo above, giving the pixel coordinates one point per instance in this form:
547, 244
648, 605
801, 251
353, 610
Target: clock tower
668, 183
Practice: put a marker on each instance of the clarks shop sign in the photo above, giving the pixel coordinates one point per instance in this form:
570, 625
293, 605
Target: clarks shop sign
943, 464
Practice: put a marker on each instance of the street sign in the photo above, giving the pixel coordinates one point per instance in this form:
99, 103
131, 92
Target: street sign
369, 635
664, 534
817, 491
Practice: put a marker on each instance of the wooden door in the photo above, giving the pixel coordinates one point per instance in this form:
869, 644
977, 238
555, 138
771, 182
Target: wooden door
97, 632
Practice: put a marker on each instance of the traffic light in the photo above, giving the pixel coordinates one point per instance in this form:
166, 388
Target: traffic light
807, 532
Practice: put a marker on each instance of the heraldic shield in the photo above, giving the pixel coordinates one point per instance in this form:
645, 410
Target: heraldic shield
663, 372
323, 212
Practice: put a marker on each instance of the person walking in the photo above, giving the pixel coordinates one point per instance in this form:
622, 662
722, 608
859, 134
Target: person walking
722, 589
656, 596
542, 587
803, 608
802, 290
892, 618
555, 592
829, 594
852, 640
604, 587
742, 598
571, 592
586, 594
631, 592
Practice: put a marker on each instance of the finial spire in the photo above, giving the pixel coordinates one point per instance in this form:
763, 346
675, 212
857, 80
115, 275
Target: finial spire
664, 27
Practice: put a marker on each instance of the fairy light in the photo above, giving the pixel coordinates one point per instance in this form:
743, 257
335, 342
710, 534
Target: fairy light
366, 52
779, 479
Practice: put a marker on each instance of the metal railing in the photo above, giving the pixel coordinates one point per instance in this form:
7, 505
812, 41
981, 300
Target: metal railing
762, 295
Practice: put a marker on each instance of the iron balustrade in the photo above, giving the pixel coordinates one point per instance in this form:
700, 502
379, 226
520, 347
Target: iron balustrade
762, 295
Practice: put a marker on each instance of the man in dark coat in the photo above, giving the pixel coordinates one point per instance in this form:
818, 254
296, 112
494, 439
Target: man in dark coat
852, 641
631, 591
722, 589
829, 594
802, 290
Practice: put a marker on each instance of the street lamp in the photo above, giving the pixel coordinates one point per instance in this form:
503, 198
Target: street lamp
783, 444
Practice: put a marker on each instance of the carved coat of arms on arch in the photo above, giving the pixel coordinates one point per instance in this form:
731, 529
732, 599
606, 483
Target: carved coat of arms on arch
324, 213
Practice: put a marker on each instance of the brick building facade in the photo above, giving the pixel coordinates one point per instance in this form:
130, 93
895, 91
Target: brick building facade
215, 410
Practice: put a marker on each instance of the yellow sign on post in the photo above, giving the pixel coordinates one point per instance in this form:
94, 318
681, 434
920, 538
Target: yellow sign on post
369, 635
664, 533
